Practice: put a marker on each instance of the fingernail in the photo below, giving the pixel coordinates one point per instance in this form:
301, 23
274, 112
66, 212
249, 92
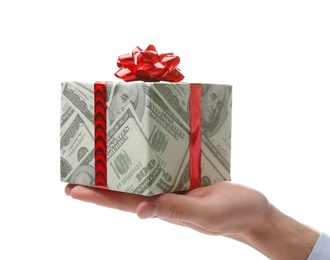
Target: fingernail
150, 211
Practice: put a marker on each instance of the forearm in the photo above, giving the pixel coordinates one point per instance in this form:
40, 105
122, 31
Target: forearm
278, 236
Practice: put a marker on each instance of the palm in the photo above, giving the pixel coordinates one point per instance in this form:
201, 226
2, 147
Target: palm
222, 208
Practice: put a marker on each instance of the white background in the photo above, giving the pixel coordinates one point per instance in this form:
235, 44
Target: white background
276, 55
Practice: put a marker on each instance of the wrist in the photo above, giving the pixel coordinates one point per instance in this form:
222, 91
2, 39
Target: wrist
278, 236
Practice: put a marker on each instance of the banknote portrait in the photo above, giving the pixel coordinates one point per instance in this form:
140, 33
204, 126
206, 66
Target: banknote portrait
65, 168
214, 110
124, 94
83, 175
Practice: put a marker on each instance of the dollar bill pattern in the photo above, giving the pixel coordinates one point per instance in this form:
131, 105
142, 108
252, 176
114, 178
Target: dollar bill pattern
216, 148
165, 131
146, 155
77, 136
132, 164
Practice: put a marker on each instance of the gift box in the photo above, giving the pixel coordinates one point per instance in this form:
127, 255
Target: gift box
145, 137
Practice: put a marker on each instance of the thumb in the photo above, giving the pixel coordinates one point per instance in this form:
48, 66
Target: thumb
171, 206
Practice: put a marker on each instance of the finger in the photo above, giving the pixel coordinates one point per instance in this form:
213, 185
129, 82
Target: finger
107, 198
174, 207
68, 189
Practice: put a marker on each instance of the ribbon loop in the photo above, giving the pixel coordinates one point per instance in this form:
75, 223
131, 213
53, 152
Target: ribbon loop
148, 65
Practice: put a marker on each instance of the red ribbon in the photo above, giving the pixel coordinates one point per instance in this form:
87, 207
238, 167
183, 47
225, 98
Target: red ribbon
148, 65
196, 135
100, 132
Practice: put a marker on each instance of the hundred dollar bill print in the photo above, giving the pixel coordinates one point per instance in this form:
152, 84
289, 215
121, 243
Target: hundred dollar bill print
148, 135
216, 120
159, 125
133, 164
216, 128
77, 134
168, 137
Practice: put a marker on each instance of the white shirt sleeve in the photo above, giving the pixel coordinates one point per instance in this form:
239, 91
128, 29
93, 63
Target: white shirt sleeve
321, 250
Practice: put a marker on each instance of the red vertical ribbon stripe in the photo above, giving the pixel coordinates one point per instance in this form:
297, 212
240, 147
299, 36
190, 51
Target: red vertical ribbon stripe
100, 131
195, 138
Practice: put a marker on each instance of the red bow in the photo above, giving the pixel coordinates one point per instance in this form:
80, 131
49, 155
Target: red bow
147, 65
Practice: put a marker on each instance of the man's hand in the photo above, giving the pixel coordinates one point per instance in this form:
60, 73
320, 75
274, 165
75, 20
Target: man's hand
224, 208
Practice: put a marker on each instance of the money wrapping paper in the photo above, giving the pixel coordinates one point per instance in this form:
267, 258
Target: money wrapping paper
144, 135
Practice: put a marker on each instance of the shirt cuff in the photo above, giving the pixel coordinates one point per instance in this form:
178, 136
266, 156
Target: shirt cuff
321, 250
